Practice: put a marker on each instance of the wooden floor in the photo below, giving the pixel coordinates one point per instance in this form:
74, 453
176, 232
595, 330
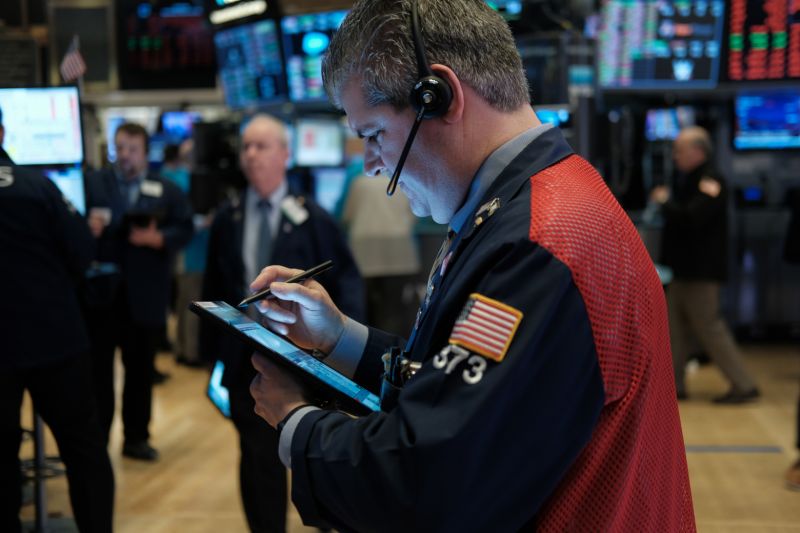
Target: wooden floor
737, 457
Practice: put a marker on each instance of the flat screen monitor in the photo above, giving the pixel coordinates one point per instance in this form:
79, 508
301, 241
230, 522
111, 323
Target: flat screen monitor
665, 44
42, 125
177, 125
250, 64
329, 185
305, 40
318, 143
763, 40
665, 124
69, 180
555, 115
767, 121
164, 44
510, 10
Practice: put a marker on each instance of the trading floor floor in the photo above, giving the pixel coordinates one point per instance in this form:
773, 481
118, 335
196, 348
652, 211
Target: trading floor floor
737, 456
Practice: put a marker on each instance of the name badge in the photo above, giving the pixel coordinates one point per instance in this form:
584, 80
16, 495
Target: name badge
294, 211
152, 188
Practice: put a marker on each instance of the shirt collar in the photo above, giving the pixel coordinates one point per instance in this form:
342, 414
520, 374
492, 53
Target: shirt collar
490, 169
275, 198
125, 181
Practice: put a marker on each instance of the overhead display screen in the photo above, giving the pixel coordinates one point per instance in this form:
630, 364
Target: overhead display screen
660, 44
767, 121
305, 40
42, 125
250, 65
764, 40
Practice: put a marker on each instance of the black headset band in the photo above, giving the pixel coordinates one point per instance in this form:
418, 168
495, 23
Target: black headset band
423, 69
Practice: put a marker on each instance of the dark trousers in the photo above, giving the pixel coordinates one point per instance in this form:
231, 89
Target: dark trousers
62, 396
262, 476
109, 328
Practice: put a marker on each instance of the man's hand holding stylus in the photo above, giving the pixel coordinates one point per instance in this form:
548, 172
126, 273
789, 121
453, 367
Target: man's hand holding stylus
304, 312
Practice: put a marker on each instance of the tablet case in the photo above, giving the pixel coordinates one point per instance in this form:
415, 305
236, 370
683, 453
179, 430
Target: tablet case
325, 384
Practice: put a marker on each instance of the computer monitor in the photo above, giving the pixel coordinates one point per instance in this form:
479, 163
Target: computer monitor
510, 10
318, 142
767, 120
669, 44
42, 125
666, 124
69, 180
558, 116
329, 185
177, 125
164, 44
305, 40
250, 64
763, 40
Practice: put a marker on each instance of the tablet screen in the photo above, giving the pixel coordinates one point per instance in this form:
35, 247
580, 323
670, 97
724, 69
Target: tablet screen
291, 353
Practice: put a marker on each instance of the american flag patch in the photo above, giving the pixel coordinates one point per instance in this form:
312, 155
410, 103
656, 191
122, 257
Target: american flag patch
486, 327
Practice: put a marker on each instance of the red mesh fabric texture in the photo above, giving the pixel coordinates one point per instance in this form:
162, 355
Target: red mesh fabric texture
632, 476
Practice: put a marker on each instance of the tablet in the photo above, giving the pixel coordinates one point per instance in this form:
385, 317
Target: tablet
324, 382
217, 392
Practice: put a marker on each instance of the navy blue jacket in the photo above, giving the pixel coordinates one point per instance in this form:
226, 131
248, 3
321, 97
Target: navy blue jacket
475, 445
296, 245
46, 248
146, 272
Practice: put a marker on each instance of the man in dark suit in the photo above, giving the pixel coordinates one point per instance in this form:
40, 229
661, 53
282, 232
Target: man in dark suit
694, 245
140, 221
46, 248
265, 225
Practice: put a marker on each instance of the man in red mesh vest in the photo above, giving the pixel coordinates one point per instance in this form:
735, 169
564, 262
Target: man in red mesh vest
535, 390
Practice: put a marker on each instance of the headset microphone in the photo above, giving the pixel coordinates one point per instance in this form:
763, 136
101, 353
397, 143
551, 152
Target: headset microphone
430, 96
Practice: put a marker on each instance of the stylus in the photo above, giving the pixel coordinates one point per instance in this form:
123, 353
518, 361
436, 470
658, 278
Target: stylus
299, 278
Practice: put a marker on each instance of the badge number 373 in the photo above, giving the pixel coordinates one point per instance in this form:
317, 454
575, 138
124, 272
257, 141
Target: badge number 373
449, 358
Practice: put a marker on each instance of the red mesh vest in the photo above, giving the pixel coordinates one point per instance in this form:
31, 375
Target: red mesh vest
632, 475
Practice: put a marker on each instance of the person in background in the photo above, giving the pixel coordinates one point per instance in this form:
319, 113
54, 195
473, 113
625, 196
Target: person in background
267, 223
46, 249
694, 245
140, 222
380, 231
535, 391
178, 162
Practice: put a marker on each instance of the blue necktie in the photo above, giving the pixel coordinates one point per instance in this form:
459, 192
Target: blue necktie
264, 248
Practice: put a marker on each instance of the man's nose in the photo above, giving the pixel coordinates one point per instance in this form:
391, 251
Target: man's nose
373, 164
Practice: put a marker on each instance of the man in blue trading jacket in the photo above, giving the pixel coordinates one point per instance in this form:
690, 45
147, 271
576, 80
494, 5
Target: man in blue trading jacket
267, 224
140, 221
536, 389
46, 250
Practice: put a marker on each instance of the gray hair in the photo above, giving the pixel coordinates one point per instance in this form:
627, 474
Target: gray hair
275, 123
375, 43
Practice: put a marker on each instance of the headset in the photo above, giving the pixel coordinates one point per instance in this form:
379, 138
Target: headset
430, 97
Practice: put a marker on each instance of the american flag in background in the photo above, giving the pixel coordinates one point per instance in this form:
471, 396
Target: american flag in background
486, 326
72, 65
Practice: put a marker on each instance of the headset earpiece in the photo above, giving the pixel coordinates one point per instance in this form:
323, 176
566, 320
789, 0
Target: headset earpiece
433, 94
430, 92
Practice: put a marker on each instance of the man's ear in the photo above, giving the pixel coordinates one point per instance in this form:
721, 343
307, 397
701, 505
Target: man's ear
456, 110
2, 134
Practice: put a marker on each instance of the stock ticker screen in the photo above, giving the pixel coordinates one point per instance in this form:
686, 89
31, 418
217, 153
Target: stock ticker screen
250, 66
164, 45
662, 44
767, 120
764, 40
305, 39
